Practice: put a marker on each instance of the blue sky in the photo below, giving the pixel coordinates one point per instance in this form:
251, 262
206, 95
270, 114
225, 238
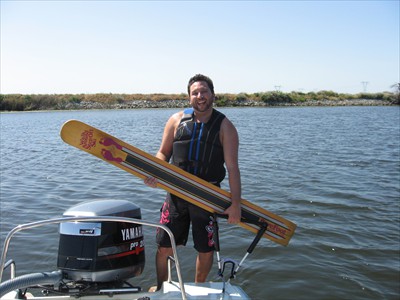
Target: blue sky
54, 47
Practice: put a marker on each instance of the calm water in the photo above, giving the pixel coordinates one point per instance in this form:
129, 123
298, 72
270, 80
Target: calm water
333, 171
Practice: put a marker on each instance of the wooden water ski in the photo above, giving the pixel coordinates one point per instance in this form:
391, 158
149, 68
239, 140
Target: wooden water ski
172, 179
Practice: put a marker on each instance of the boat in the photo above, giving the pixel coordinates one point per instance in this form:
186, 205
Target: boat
101, 246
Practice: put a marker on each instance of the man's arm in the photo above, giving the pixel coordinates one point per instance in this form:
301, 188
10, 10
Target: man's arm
165, 150
230, 144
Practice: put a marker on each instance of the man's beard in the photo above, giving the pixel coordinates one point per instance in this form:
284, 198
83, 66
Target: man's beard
202, 108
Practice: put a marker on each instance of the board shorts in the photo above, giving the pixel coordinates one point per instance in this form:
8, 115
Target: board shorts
177, 214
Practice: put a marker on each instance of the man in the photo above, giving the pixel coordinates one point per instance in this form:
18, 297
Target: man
199, 140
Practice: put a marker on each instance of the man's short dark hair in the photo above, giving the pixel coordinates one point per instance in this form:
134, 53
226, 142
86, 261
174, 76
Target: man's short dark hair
200, 77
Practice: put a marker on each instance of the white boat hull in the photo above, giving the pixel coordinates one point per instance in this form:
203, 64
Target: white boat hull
170, 290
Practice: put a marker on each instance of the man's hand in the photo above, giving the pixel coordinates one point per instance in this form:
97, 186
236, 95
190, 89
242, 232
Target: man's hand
234, 213
151, 182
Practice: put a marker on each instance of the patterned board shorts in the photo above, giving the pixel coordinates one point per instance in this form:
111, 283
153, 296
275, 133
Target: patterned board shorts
177, 214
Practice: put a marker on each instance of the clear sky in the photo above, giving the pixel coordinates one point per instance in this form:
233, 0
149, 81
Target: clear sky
52, 47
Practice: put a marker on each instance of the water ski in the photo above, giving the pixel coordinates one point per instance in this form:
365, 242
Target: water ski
173, 179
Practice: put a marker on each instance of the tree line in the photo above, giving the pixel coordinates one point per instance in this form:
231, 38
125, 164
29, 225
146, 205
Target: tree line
20, 102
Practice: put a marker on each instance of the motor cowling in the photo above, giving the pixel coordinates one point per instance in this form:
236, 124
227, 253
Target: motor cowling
101, 251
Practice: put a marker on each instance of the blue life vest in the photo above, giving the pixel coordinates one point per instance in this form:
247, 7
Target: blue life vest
197, 147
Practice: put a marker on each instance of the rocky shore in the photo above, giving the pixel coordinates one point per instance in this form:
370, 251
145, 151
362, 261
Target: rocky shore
19, 102
142, 104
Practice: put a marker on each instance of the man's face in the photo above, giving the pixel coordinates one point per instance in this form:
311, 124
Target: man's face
201, 97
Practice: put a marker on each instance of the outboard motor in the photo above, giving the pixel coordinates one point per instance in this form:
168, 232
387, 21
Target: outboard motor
101, 251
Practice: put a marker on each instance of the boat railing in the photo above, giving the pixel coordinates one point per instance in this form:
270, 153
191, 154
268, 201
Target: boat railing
4, 264
170, 261
11, 264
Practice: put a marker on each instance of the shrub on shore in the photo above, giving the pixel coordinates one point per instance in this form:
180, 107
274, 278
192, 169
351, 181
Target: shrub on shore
19, 102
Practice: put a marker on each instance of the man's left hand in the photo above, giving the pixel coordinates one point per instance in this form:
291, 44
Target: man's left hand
234, 213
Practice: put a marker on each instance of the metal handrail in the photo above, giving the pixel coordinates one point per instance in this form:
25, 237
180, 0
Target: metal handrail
13, 268
170, 260
96, 219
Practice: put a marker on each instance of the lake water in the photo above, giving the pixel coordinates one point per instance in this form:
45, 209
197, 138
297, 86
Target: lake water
334, 171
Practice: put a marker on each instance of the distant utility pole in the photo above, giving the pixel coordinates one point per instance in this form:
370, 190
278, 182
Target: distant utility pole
364, 83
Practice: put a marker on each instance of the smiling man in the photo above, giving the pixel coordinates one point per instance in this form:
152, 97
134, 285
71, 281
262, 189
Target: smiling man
202, 141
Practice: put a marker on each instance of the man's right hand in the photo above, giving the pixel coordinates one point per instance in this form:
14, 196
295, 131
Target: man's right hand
151, 182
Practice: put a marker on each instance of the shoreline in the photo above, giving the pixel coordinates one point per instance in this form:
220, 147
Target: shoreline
40, 102
146, 104
166, 104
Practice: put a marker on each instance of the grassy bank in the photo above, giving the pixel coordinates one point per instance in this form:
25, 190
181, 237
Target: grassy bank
19, 102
